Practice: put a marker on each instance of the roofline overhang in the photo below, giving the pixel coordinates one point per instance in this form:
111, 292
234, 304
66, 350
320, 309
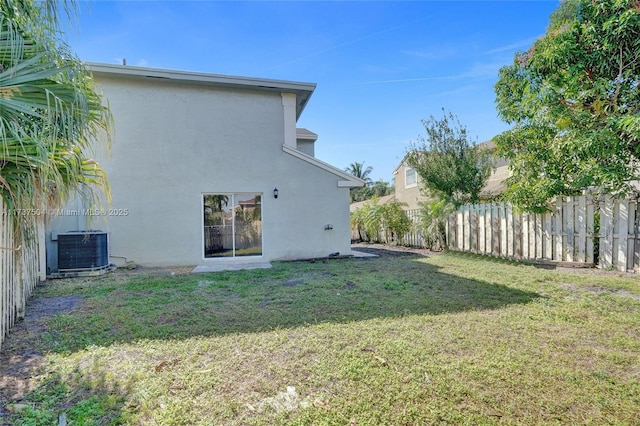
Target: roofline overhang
404, 159
306, 134
303, 91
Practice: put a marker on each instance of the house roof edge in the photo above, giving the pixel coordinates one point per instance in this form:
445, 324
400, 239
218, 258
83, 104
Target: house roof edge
302, 90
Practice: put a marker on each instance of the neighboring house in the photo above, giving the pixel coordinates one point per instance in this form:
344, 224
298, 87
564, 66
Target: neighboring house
496, 183
407, 186
210, 168
407, 182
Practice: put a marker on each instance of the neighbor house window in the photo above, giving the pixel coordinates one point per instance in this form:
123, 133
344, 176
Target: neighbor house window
232, 225
410, 177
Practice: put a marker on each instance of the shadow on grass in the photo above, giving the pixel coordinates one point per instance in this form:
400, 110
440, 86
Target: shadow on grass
536, 263
119, 309
70, 315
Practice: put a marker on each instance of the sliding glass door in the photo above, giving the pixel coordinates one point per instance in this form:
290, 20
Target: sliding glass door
232, 225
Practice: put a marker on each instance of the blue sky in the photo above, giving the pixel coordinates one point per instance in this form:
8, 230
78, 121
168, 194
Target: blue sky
380, 67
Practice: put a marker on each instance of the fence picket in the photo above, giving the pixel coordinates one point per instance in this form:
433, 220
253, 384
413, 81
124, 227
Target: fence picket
606, 233
590, 232
482, 237
634, 232
581, 231
623, 234
547, 240
459, 230
558, 231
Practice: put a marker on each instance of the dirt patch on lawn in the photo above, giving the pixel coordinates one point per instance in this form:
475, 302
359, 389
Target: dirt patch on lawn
392, 251
20, 364
38, 308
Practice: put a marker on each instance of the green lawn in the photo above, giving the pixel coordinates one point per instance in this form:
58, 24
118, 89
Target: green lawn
397, 340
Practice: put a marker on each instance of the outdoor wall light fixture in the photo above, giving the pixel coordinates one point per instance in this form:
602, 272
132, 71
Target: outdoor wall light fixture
275, 192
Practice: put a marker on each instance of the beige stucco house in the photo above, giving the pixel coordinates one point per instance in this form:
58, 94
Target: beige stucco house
407, 181
210, 168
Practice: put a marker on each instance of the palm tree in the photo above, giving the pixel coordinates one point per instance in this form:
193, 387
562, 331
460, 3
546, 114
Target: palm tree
358, 170
213, 208
50, 112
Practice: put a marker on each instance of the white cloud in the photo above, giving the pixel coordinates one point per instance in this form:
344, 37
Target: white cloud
434, 53
513, 47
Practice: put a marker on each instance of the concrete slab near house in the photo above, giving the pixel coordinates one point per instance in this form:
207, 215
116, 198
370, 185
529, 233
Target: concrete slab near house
361, 254
228, 266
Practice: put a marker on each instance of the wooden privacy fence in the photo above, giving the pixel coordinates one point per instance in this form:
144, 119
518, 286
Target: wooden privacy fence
414, 237
582, 229
22, 263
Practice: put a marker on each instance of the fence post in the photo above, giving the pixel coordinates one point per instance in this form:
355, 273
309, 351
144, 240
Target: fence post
532, 236
459, 230
623, 234
589, 229
525, 235
495, 230
606, 232
547, 250
558, 230
517, 231
581, 231
482, 237
570, 229
636, 240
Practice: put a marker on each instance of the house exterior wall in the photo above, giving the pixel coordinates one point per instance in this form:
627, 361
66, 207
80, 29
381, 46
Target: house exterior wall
175, 142
308, 147
409, 194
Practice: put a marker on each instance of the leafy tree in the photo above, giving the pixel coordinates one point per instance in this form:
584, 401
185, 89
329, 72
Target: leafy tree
50, 112
380, 188
450, 165
371, 189
377, 189
574, 101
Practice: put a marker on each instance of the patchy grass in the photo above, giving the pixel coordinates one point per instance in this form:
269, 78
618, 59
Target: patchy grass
403, 339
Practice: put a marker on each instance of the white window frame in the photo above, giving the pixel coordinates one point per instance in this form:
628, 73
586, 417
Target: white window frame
234, 257
406, 178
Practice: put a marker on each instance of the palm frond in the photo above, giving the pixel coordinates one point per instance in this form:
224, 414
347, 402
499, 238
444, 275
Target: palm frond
50, 112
